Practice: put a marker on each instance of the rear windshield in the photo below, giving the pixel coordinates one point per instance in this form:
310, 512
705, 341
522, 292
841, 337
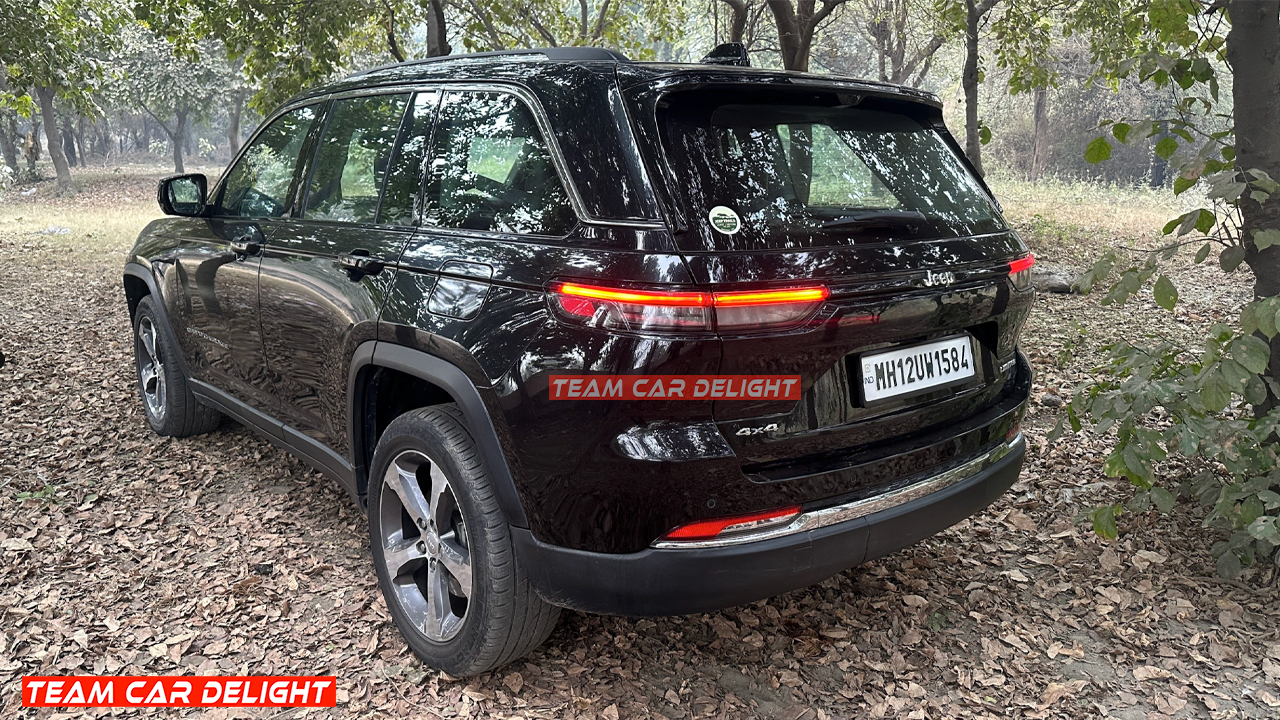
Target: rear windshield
781, 174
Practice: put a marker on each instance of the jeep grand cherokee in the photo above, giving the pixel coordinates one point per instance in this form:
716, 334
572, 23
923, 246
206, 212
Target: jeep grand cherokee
389, 275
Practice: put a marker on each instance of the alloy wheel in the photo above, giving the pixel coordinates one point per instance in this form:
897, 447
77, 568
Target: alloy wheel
425, 549
151, 369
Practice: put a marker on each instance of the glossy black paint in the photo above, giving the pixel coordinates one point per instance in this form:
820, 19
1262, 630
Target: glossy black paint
277, 328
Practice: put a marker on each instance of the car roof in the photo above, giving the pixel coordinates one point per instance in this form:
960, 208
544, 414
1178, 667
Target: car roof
504, 64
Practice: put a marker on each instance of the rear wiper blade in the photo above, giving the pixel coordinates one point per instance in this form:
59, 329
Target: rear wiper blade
910, 219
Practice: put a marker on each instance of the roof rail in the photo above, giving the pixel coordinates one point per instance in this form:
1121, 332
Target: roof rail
554, 54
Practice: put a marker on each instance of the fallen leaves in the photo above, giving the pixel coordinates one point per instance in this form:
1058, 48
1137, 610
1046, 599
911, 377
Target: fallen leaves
134, 554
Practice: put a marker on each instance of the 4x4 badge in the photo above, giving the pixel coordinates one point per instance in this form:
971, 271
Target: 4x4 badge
944, 277
771, 427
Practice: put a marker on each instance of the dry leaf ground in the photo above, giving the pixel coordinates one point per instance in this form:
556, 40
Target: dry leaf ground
123, 553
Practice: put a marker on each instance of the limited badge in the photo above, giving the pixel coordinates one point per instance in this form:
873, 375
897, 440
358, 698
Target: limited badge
724, 219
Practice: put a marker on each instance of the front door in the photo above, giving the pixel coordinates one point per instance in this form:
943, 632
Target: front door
214, 311
326, 272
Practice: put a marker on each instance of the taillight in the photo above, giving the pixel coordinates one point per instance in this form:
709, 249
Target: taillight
720, 527
1020, 271
673, 311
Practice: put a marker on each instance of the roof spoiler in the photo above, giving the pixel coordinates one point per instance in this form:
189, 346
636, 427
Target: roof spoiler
728, 54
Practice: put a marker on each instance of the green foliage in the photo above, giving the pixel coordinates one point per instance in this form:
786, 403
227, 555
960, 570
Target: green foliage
153, 76
1215, 405
1162, 399
1098, 151
287, 47
630, 27
55, 44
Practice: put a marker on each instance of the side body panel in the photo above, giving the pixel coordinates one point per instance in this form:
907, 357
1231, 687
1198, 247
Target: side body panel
315, 314
210, 294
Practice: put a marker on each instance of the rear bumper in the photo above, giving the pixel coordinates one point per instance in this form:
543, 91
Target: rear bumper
667, 581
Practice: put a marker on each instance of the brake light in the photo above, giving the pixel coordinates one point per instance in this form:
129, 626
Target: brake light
1020, 271
719, 527
654, 310
666, 299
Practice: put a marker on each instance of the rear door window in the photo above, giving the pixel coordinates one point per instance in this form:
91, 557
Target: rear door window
492, 170
776, 174
402, 199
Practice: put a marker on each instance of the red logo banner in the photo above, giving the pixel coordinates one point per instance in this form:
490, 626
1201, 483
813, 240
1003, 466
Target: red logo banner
179, 691
675, 387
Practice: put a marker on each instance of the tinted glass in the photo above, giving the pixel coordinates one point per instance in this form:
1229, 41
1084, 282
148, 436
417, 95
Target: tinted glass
259, 185
803, 176
355, 150
401, 201
491, 170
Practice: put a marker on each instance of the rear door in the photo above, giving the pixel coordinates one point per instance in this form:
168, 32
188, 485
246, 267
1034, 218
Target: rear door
781, 188
326, 272
215, 313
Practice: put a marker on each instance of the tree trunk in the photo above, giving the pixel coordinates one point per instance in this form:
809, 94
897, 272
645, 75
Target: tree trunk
84, 149
8, 144
1159, 166
45, 96
31, 146
437, 30
393, 45
969, 79
1039, 126
738, 22
69, 143
178, 138
1253, 50
233, 126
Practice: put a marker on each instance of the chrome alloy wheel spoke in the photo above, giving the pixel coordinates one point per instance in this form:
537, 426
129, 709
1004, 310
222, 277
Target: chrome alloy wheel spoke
425, 550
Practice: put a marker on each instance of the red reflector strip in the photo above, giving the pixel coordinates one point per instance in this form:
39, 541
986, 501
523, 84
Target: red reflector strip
636, 297
1021, 264
704, 529
772, 297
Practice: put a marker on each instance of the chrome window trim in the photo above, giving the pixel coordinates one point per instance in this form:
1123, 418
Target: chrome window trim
824, 517
531, 102
520, 93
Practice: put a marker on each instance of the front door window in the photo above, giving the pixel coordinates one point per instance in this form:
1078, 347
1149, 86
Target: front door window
261, 184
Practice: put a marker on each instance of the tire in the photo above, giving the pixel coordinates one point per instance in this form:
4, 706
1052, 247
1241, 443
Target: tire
166, 396
432, 506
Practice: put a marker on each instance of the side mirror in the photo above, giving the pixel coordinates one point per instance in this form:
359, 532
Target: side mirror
183, 195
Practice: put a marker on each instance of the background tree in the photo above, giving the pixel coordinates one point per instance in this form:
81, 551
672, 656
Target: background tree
1160, 397
173, 90
626, 25
906, 35
46, 49
975, 12
797, 23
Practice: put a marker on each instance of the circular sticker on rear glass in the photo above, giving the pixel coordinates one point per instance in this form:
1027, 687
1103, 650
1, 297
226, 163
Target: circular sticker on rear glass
724, 219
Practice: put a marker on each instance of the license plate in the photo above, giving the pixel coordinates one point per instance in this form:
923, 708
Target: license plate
909, 370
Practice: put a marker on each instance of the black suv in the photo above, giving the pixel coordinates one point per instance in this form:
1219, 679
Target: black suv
405, 276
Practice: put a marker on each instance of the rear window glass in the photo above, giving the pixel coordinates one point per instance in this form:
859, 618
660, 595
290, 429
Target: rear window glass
781, 175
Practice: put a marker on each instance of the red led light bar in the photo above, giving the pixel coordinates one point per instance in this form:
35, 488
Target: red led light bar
667, 298
1021, 264
772, 297
635, 297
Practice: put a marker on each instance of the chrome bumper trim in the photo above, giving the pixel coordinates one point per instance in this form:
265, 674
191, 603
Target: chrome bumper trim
815, 519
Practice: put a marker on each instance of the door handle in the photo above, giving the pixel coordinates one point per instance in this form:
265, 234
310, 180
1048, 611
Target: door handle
359, 262
244, 245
